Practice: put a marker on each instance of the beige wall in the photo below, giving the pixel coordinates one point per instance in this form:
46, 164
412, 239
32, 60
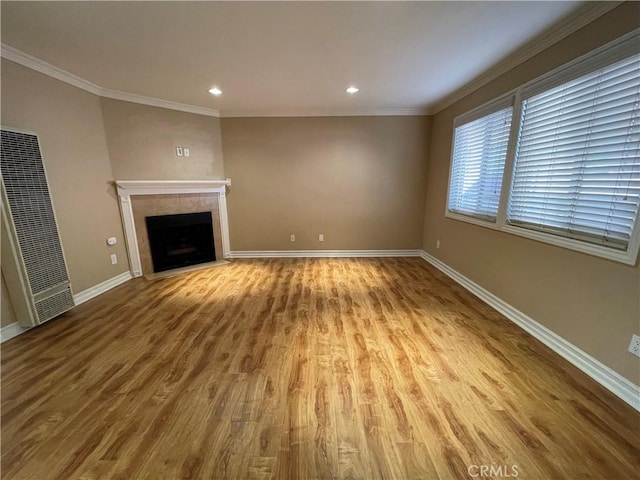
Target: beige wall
8, 314
358, 180
68, 122
591, 302
142, 143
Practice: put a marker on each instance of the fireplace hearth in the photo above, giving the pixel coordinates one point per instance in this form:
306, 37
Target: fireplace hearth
180, 240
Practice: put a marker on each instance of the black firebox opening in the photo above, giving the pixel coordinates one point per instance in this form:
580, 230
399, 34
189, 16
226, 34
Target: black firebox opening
180, 240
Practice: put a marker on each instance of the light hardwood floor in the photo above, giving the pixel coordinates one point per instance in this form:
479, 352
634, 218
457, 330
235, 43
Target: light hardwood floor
302, 368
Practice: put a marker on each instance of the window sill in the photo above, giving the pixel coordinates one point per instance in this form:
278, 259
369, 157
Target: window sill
475, 221
627, 257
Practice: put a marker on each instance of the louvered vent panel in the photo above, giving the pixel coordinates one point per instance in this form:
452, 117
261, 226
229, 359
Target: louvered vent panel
54, 305
32, 212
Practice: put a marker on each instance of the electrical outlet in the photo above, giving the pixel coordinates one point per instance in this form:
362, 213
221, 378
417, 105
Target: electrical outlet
321, 237
186, 151
634, 346
114, 259
437, 243
293, 237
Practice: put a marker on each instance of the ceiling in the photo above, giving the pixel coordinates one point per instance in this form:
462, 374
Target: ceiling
279, 58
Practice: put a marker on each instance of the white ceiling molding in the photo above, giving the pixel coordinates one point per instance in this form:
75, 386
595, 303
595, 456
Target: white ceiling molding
354, 112
590, 12
158, 102
587, 13
45, 68
52, 71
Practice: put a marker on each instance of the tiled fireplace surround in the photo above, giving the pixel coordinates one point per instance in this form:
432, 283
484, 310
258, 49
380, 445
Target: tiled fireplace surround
143, 198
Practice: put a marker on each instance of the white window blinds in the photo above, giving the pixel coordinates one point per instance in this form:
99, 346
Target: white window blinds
479, 152
577, 171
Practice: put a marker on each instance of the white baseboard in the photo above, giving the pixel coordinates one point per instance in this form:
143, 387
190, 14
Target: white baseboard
613, 381
323, 253
10, 331
105, 286
14, 329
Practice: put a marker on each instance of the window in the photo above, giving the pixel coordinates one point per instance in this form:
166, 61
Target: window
570, 157
480, 148
576, 170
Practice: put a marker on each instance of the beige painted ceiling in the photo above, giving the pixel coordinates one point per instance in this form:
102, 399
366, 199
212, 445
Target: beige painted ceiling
279, 58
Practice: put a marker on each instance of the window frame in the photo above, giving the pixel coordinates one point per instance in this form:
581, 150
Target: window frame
607, 54
484, 110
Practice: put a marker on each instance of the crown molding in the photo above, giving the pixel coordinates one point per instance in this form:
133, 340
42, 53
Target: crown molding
158, 102
45, 68
590, 12
34, 63
322, 112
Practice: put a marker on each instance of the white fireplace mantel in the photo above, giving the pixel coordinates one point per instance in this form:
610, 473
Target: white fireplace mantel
170, 187
127, 188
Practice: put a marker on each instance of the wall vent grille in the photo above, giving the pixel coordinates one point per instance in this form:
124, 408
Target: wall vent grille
53, 306
32, 214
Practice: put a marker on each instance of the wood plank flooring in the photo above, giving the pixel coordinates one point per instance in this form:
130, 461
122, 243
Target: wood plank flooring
302, 369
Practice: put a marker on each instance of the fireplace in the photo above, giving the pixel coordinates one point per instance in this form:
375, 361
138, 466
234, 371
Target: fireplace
146, 198
180, 240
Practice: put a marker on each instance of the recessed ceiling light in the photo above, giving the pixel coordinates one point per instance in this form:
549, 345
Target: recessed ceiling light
215, 91
352, 89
